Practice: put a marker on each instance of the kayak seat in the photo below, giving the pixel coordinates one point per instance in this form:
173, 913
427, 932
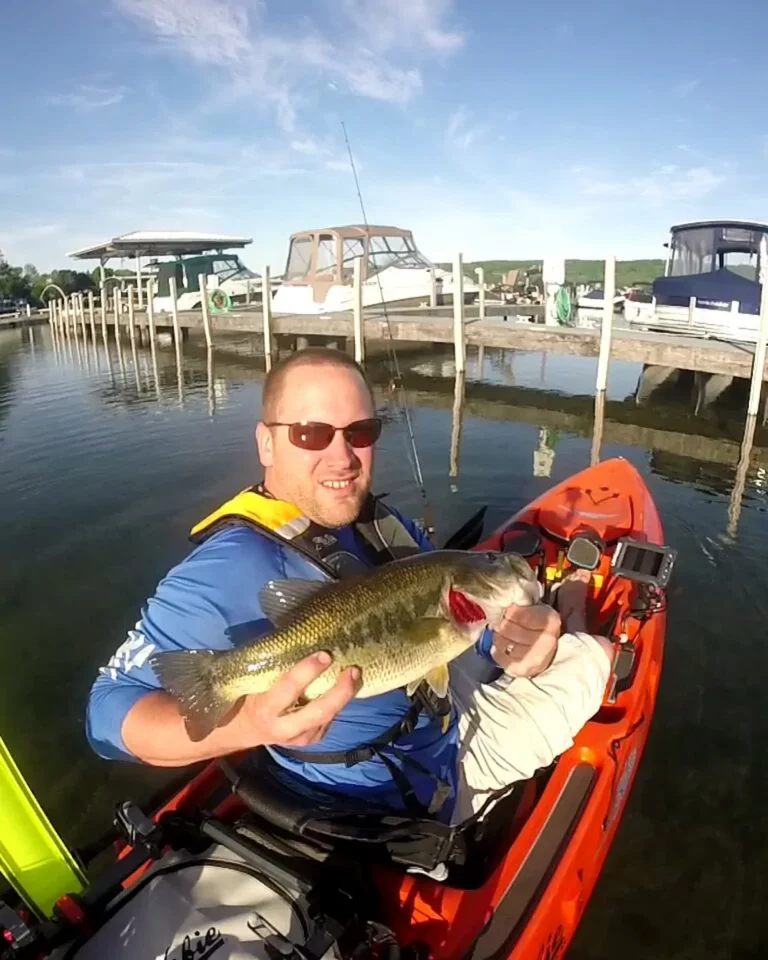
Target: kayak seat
322, 824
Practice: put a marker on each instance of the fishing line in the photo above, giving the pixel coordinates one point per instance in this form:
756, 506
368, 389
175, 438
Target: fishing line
394, 363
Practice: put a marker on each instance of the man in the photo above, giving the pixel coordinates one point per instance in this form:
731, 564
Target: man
312, 517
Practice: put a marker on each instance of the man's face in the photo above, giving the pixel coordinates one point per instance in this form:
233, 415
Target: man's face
310, 478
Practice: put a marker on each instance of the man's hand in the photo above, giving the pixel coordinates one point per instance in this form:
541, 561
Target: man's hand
266, 719
525, 642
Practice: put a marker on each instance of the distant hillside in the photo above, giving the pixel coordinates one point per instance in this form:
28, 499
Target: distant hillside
628, 272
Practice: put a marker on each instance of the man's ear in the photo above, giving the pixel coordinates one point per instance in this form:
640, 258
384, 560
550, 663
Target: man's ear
264, 444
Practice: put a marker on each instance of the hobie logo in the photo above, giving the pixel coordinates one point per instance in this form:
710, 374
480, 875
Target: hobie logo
200, 946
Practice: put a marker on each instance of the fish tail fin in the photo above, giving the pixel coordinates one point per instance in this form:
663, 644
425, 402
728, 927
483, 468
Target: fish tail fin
190, 677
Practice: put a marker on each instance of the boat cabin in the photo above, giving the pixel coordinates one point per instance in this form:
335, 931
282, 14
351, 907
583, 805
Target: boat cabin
328, 256
715, 261
320, 268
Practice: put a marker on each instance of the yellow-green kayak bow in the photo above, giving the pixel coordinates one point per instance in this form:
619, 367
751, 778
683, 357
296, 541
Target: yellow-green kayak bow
33, 857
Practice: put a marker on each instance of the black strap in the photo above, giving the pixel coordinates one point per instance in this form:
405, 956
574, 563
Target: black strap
366, 751
387, 740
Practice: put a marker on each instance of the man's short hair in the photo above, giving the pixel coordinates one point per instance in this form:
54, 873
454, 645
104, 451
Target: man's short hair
311, 357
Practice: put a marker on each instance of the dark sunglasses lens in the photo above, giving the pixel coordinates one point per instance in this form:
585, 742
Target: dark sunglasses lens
310, 436
363, 433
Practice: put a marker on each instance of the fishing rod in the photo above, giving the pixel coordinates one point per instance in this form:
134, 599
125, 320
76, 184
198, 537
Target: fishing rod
397, 376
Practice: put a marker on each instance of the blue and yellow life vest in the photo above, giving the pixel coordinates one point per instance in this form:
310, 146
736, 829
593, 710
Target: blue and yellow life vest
382, 537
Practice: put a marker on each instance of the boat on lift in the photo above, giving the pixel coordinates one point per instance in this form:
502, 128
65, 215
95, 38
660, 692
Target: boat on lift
319, 273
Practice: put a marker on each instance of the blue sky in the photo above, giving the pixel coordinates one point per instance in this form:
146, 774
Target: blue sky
498, 129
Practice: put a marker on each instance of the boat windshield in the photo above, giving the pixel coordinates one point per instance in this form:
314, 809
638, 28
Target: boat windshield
706, 249
226, 268
299, 258
397, 252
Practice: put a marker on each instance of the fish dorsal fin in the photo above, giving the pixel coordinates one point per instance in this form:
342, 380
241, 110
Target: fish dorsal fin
280, 599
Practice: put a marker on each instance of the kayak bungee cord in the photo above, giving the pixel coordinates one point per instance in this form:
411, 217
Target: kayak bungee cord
397, 378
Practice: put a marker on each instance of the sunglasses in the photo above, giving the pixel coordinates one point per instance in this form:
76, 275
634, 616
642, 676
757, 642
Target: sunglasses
318, 436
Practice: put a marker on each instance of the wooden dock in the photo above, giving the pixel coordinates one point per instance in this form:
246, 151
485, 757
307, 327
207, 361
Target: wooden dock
500, 328
506, 326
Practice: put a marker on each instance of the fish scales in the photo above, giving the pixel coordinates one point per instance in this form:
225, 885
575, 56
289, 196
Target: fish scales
370, 623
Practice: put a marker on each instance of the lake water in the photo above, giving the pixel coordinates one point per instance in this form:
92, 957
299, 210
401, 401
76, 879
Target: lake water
104, 468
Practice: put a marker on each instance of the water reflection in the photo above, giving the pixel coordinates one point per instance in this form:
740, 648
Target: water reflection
103, 475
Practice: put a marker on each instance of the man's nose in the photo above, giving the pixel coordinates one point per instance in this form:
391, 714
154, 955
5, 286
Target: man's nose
341, 450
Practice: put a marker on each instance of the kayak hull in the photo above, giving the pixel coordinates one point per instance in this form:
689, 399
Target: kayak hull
531, 905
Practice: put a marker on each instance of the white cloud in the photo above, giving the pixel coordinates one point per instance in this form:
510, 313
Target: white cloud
88, 97
388, 24
307, 146
663, 185
462, 134
375, 52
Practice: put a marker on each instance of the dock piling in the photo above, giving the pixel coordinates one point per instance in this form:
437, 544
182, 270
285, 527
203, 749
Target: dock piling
81, 307
116, 305
691, 311
131, 319
92, 315
481, 294
103, 306
597, 430
175, 310
152, 336
456, 423
758, 363
736, 498
458, 312
357, 310
266, 305
609, 288
204, 306
118, 314
432, 288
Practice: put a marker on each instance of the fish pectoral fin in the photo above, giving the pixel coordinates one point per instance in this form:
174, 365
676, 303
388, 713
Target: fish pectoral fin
280, 599
427, 630
413, 686
190, 677
438, 678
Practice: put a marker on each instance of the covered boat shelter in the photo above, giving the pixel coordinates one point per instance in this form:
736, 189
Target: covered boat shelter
154, 243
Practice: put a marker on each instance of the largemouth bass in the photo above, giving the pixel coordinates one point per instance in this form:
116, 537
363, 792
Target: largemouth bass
395, 624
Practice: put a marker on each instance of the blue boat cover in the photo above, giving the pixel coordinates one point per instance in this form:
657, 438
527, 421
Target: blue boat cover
719, 287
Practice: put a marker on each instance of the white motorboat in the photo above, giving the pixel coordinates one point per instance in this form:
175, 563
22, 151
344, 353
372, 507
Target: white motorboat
592, 301
320, 269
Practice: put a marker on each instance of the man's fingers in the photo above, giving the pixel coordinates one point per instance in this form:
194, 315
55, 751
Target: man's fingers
540, 617
307, 738
320, 712
292, 684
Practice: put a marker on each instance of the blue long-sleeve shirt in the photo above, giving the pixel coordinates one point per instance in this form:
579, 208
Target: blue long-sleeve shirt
210, 601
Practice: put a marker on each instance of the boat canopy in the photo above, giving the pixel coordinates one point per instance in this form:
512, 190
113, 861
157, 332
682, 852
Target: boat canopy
716, 261
155, 243
327, 255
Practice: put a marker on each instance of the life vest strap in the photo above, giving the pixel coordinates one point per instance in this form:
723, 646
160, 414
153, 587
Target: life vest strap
387, 741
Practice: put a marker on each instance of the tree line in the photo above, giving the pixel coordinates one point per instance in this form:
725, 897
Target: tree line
628, 272
26, 284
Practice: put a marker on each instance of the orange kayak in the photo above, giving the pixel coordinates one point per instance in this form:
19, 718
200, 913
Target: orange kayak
530, 906
518, 895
